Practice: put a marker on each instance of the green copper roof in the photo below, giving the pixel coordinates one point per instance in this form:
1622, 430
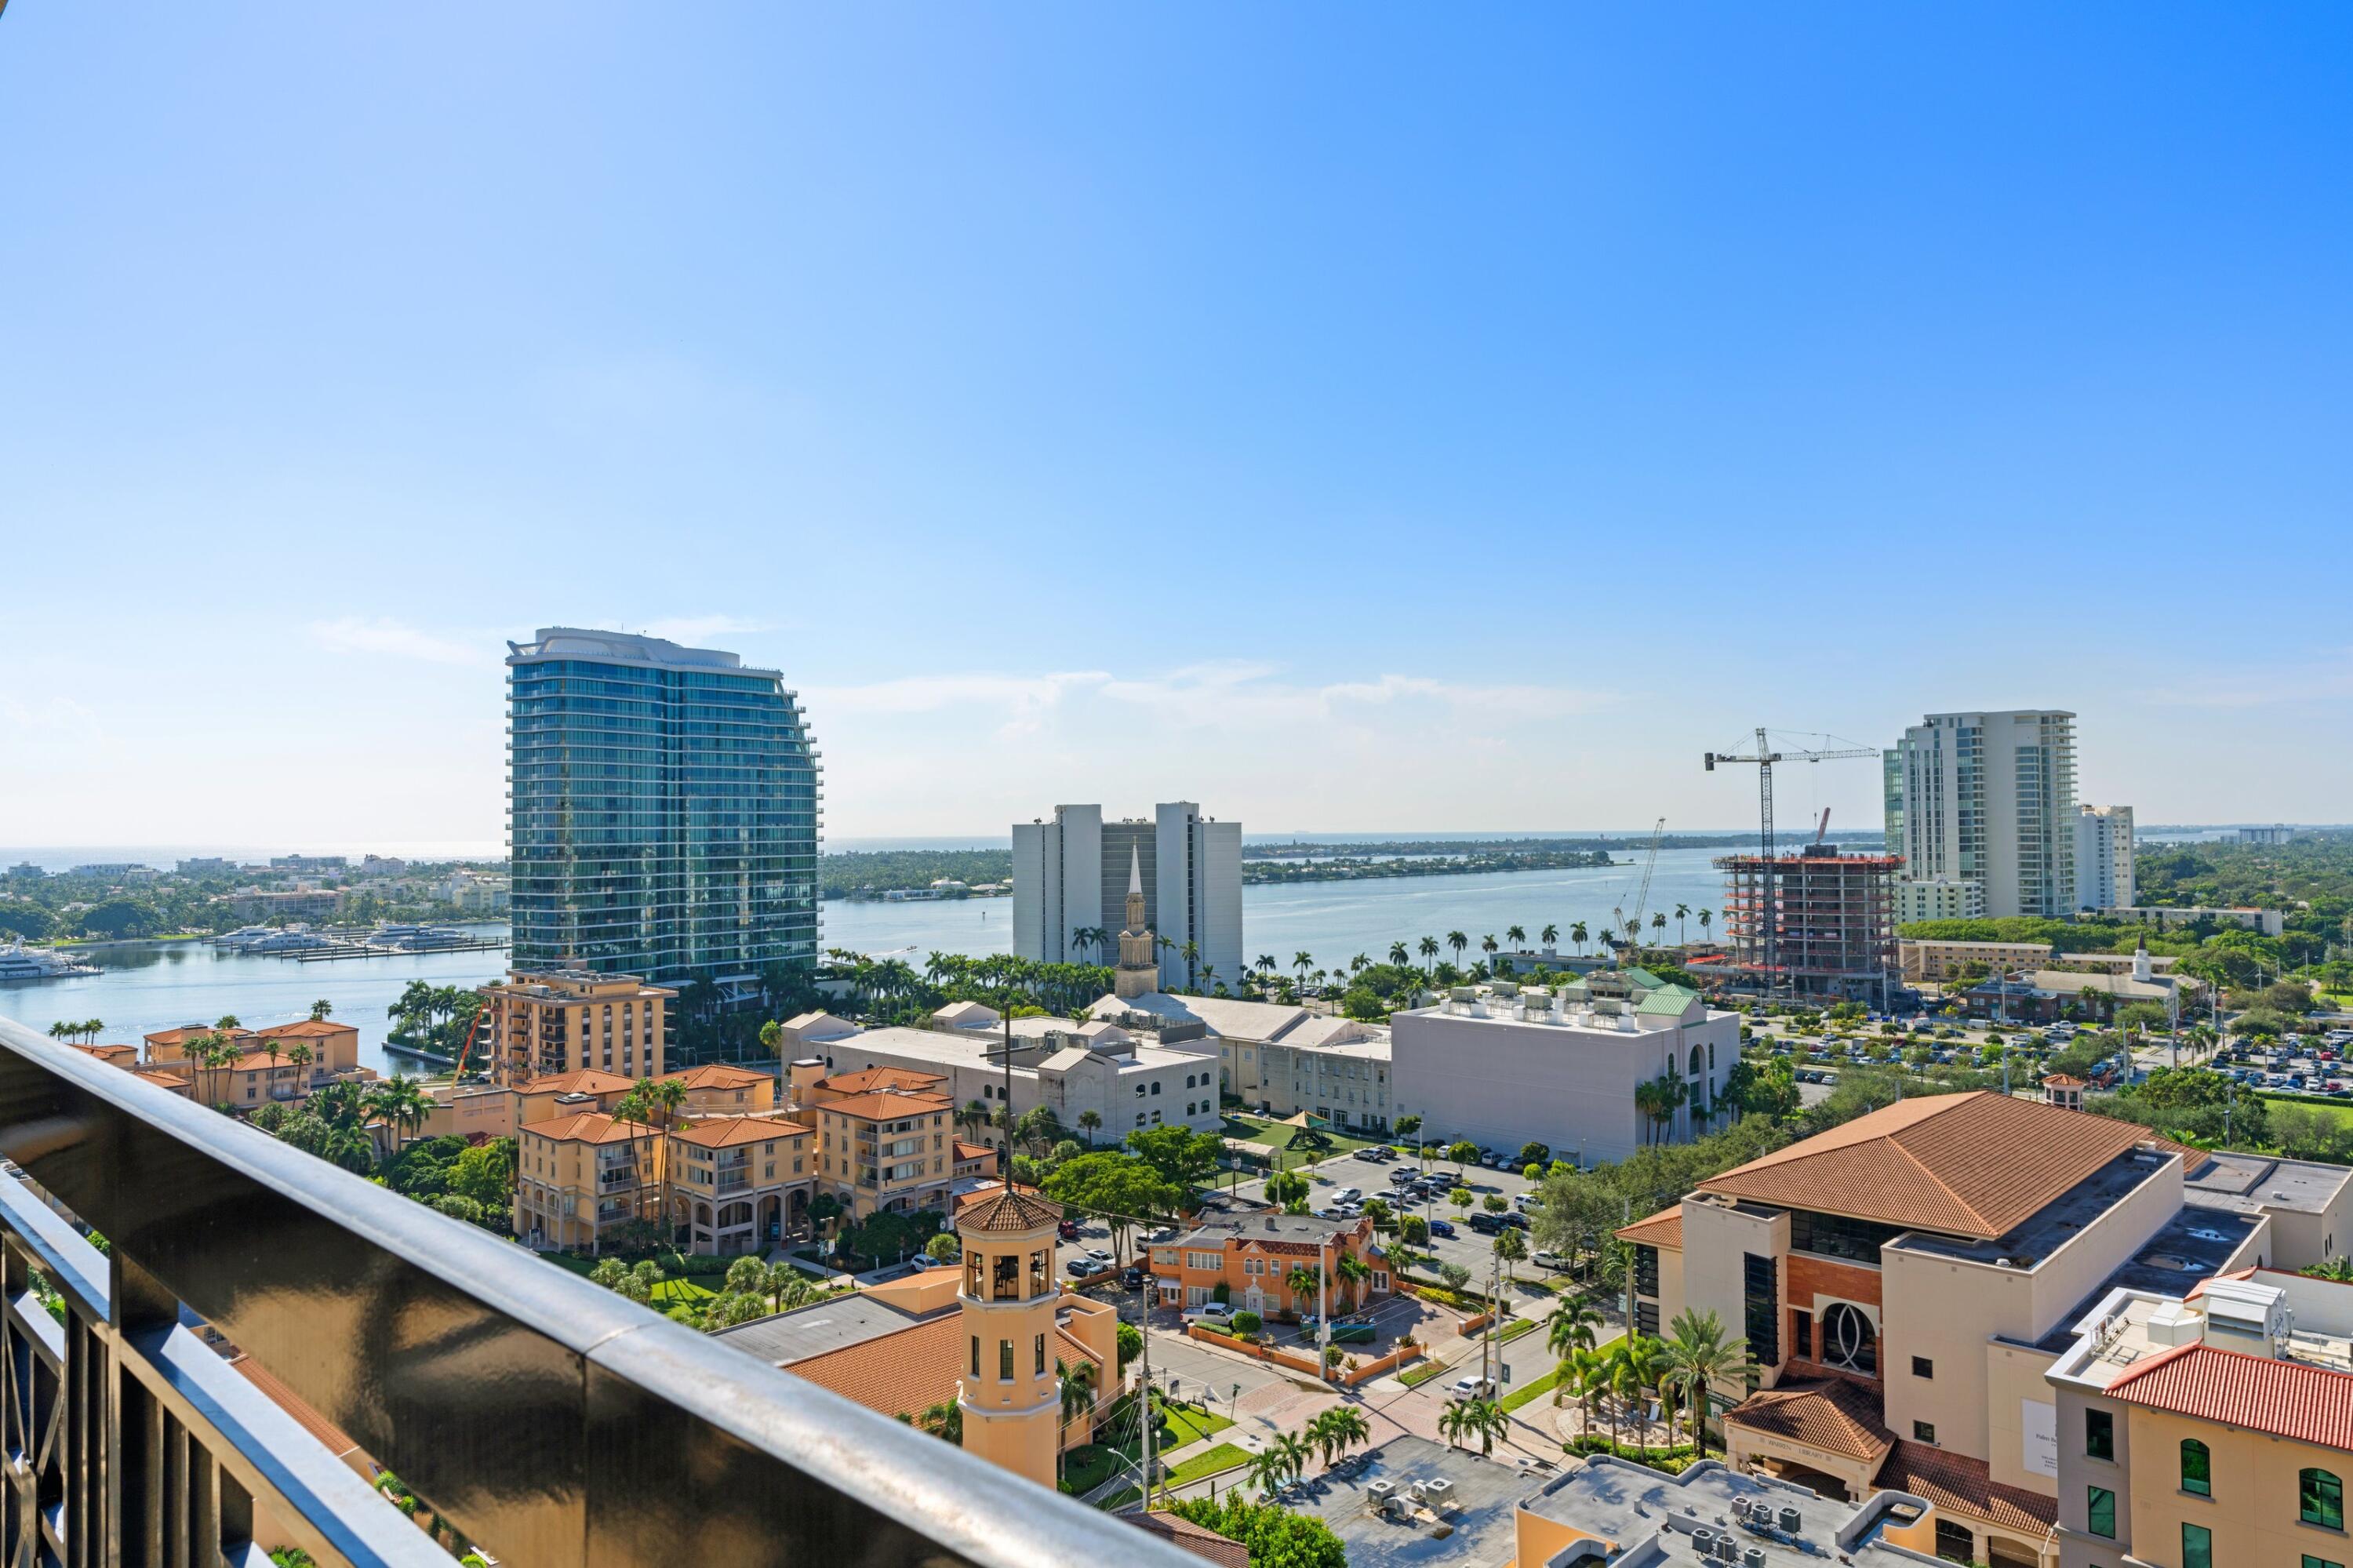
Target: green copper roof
1668, 1001
1642, 978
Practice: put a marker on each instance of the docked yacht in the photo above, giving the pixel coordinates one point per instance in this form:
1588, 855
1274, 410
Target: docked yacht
418, 938
18, 963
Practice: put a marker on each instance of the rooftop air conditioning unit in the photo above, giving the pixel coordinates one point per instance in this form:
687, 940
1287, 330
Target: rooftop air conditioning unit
1381, 1491
1753, 1558
1792, 1520
1437, 1489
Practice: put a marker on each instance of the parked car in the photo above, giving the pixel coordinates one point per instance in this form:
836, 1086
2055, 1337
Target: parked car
1082, 1268
1474, 1387
1210, 1312
1132, 1276
1487, 1224
1443, 1228
1348, 1195
1545, 1257
1068, 1230
1514, 1218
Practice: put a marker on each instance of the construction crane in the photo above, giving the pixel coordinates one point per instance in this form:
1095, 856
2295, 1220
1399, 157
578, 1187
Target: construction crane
1642, 893
1768, 916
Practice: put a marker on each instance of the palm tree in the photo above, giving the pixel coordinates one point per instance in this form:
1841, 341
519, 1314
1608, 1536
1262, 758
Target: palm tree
1570, 1326
1489, 946
1455, 1420
1429, 950
300, 1056
1481, 1418
1266, 963
1399, 955
1582, 1374
944, 1421
270, 1048
1550, 936
1352, 1271
1078, 1394
1659, 924
1090, 1123
1359, 964
1640, 1367
1458, 941
1683, 912
1577, 934
1625, 1388
322, 1010
1303, 962
975, 1115
1337, 1430
1511, 1249
1704, 917
1697, 1357
1082, 937
1301, 1282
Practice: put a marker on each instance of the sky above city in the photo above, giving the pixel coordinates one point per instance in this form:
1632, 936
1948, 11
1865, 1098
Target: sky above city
1349, 417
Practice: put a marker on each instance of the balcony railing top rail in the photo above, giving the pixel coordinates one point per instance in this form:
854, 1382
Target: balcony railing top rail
552, 1421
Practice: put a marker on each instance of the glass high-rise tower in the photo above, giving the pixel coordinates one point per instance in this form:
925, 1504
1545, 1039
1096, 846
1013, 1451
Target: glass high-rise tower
662, 811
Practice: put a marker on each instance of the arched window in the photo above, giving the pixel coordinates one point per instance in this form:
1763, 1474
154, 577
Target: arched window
1849, 1341
2197, 1469
1155, 1085
2320, 1497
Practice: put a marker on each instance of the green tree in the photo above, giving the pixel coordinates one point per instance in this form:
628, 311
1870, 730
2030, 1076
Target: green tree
1274, 1537
1182, 1157
1696, 1357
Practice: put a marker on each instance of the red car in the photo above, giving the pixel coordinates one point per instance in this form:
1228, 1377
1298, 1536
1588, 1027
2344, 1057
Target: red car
1068, 1230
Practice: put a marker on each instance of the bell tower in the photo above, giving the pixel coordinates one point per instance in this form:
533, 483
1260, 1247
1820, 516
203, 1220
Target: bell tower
1139, 966
1010, 1393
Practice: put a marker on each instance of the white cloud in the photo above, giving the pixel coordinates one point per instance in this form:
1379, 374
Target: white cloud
390, 638
49, 719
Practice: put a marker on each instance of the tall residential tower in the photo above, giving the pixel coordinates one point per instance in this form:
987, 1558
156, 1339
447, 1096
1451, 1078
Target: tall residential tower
1989, 798
2103, 857
1072, 872
662, 811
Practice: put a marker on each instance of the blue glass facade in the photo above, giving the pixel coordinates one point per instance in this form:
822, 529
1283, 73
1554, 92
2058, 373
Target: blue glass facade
662, 811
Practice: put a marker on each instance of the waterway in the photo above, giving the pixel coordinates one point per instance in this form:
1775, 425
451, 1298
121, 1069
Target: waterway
161, 985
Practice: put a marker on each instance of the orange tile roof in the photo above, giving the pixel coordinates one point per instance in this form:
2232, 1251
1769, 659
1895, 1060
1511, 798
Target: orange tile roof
726, 1131
2289, 1399
186, 1032
1188, 1536
1833, 1416
1664, 1228
872, 1078
1009, 1212
1964, 1486
582, 1081
902, 1373
885, 1105
307, 1028
973, 1151
2066, 1081
1977, 1165
586, 1127
718, 1076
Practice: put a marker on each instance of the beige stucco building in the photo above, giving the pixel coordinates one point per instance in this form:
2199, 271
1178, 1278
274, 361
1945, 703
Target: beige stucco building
563, 1020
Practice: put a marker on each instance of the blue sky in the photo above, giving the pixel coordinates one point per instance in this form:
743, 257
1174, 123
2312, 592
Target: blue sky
1346, 415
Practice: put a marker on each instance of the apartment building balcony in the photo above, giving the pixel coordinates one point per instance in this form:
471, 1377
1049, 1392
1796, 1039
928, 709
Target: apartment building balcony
549, 1420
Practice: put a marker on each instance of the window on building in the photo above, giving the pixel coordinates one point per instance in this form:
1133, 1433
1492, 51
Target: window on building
1155, 1085
1849, 1341
2099, 1435
2100, 1512
2312, 1562
975, 1355
1922, 1368
1923, 1432
2320, 1498
1802, 1335
1005, 1361
1954, 1543
2197, 1546
1039, 1370
2197, 1469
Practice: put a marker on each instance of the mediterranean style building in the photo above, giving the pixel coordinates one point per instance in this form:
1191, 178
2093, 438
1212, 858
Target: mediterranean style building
1906, 1282
551, 1021
1252, 1255
2208, 1430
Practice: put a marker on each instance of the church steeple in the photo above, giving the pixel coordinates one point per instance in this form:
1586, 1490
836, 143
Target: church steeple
1139, 968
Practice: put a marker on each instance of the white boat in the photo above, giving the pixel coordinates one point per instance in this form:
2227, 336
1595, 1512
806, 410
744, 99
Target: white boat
417, 939
18, 963
292, 940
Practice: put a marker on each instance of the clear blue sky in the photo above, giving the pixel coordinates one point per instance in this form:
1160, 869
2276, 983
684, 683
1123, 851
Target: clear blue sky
1347, 415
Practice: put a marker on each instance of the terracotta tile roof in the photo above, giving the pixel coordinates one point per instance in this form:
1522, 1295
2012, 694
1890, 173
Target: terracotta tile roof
904, 1372
1192, 1538
726, 1131
1977, 1165
331, 1436
1075, 1349
884, 1104
718, 1076
1834, 1416
1959, 1485
973, 1151
1664, 1228
872, 1078
587, 1127
584, 1081
186, 1032
1009, 1212
2289, 1399
307, 1029
2066, 1081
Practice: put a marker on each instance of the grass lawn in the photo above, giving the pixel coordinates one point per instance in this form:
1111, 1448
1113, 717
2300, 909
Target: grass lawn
1513, 1329
1274, 1134
1224, 1456
1415, 1376
1084, 1469
1182, 1425
2340, 1109
1530, 1392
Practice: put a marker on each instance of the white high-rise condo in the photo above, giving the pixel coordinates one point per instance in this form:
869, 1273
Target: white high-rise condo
1070, 876
2103, 857
1989, 798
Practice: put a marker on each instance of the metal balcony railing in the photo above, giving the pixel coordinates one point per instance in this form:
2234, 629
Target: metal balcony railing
549, 1420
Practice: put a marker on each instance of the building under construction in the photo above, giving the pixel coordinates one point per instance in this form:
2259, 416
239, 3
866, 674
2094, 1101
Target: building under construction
1817, 923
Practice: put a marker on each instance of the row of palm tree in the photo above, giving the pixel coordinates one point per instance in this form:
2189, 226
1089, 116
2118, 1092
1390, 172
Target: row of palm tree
84, 1032
1484, 1419
1697, 1356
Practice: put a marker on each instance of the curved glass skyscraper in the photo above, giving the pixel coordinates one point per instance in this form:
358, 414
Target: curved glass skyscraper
662, 811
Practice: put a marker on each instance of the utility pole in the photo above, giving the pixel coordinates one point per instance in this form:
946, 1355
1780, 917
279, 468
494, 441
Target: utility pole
1144, 1393
1323, 1312
1495, 1311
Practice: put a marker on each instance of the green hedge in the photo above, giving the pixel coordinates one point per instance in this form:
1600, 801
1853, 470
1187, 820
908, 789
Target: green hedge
1671, 1461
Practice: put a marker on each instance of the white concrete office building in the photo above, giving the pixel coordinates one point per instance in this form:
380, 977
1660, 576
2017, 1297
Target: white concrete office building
2103, 857
1070, 874
1504, 1067
1938, 898
1991, 798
